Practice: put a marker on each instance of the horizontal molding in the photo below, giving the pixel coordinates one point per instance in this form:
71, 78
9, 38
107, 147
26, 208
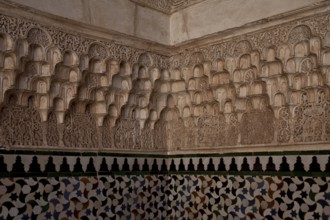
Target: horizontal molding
223, 150
153, 155
58, 164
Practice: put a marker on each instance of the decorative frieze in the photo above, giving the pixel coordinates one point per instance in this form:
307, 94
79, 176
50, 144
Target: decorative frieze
35, 33
290, 32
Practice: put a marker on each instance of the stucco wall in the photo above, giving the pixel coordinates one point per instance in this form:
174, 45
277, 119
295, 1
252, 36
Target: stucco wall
117, 15
218, 15
210, 16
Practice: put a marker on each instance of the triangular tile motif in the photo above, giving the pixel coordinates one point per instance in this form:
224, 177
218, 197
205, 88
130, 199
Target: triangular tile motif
257, 166
90, 166
233, 165
210, 166
245, 165
314, 166
104, 168
125, 165
50, 166
284, 166
65, 167
271, 166
78, 166
299, 166
222, 166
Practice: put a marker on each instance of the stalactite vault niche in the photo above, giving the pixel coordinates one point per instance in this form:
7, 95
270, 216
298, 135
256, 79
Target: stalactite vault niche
63, 90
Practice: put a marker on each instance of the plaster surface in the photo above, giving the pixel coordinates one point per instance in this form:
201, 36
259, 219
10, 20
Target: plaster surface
152, 25
122, 16
197, 20
214, 16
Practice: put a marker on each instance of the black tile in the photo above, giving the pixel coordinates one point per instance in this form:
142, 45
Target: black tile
314, 166
104, 166
65, 168
233, 165
77, 168
200, 166
136, 166
245, 165
90, 166
257, 166
327, 166
125, 166
18, 167
115, 166
191, 166
222, 166
154, 168
210, 166
284, 166
50, 166
270, 167
145, 166
35, 166
163, 168
181, 166
299, 166
3, 165
173, 167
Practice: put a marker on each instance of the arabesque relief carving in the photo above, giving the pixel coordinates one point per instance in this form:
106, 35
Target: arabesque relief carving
61, 89
21, 125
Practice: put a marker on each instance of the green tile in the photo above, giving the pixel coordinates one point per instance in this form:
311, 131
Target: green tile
43, 152
89, 154
260, 154
324, 152
7, 152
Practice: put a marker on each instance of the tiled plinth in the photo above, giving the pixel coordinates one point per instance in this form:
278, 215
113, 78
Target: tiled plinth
164, 187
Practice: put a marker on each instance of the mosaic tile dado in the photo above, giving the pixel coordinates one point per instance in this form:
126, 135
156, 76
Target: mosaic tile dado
40, 185
165, 197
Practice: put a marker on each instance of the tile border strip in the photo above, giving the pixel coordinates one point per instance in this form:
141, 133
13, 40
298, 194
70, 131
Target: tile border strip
34, 164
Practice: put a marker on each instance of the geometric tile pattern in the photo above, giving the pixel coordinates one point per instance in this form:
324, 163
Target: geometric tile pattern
235, 197
165, 197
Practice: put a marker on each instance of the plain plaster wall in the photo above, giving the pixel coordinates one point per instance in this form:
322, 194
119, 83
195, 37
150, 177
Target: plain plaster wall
207, 17
122, 16
217, 15
152, 25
